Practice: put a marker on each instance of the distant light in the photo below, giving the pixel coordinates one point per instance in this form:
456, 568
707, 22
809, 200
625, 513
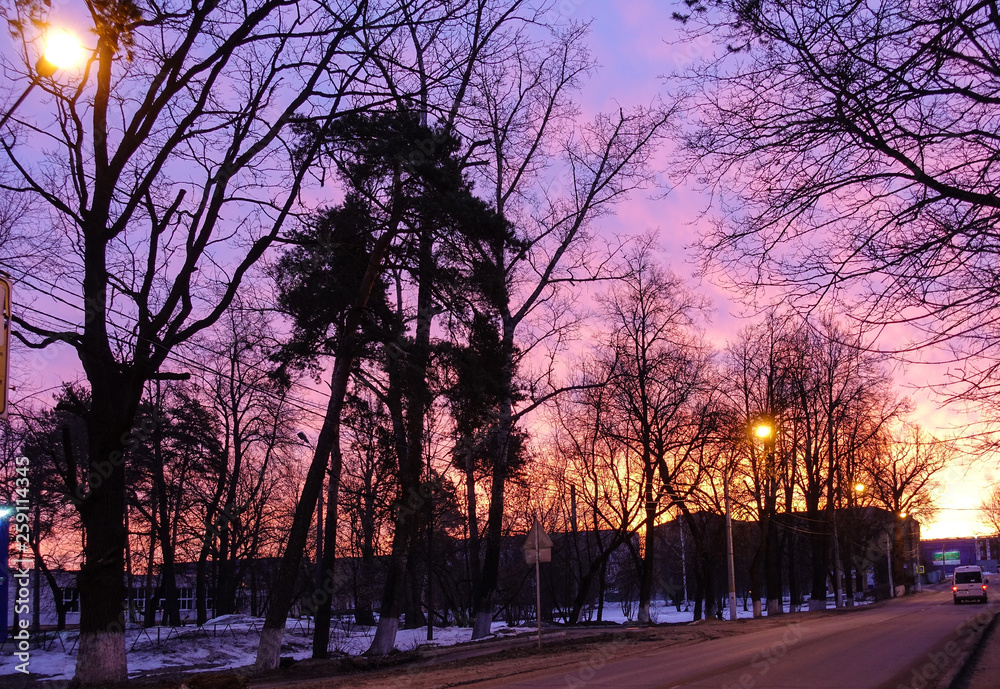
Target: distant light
902, 515
62, 49
6, 511
763, 431
860, 487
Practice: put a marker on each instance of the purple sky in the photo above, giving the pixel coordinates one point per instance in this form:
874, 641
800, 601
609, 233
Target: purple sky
634, 45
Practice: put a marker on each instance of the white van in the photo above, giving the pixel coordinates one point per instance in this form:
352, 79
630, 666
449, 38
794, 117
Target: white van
968, 584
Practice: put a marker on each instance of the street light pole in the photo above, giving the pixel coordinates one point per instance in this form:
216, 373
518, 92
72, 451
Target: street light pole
888, 557
766, 433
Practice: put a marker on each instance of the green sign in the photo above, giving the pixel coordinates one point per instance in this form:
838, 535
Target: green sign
950, 557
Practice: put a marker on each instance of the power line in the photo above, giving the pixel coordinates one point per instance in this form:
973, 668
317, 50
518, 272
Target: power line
190, 343
294, 402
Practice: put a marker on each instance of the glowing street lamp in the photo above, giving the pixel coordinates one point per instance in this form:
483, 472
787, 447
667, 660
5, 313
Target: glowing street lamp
61, 51
763, 431
860, 488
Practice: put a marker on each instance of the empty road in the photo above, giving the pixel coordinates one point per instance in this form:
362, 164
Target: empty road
910, 642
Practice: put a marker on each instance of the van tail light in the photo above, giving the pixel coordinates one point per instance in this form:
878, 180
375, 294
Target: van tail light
954, 588
984, 587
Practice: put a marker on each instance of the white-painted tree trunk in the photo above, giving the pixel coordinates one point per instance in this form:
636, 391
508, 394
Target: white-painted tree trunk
482, 626
269, 649
644, 614
101, 658
385, 637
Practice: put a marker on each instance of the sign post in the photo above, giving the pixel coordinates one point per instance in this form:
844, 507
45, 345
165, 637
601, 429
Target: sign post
5, 287
537, 549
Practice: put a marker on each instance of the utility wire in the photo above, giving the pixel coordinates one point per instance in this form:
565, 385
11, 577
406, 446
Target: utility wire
297, 403
25, 278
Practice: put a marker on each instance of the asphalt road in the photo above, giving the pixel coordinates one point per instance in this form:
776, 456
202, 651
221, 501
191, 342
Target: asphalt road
906, 643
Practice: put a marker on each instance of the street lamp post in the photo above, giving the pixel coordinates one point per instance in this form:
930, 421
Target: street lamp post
765, 432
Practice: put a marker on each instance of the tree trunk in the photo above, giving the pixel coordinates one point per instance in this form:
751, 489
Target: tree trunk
414, 617
756, 583
201, 587
794, 595
328, 585
818, 544
410, 450
646, 574
708, 576
283, 590
483, 607
473, 545
101, 658
772, 569
168, 578
281, 596
150, 591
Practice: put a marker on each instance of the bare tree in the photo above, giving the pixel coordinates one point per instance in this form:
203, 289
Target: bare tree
757, 379
990, 508
526, 121
903, 477
659, 388
167, 170
606, 483
861, 143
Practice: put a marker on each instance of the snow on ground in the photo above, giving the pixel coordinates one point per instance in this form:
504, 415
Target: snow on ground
231, 642
223, 643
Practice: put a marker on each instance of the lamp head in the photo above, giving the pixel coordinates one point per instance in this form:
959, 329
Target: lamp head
762, 431
62, 51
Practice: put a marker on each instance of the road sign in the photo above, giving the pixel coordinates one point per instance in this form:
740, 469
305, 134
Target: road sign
4, 343
537, 546
921, 569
